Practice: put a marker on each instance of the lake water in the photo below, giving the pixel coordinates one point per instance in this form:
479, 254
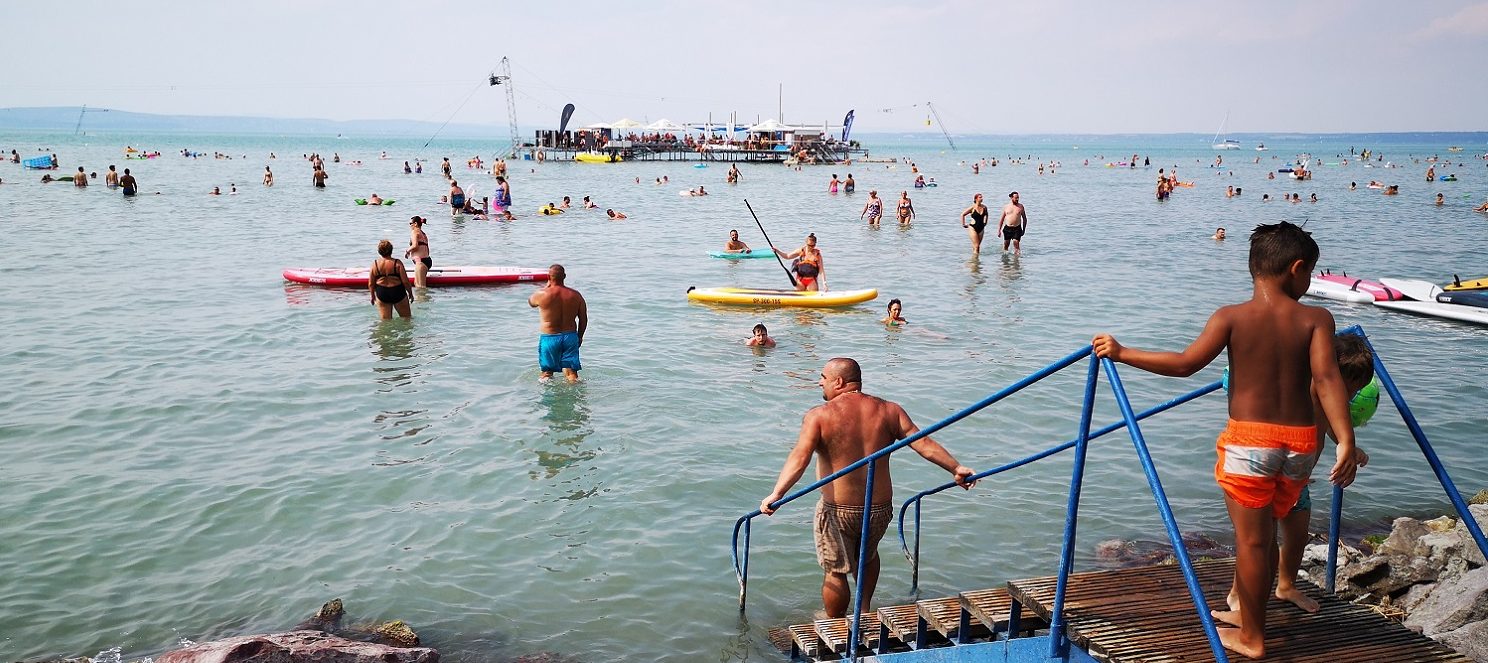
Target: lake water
195, 448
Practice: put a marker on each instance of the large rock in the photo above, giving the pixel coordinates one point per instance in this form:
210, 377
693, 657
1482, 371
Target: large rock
1470, 641
297, 647
1453, 605
1403, 536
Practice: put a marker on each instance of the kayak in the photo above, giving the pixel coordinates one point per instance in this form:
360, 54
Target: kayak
1470, 284
752, 253
768, 297
1377, 291
468, 275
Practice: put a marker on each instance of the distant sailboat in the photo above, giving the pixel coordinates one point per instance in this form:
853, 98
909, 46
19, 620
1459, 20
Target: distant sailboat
1220, 141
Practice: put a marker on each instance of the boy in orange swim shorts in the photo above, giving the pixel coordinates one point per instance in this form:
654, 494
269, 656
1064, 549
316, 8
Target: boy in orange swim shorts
1281, 353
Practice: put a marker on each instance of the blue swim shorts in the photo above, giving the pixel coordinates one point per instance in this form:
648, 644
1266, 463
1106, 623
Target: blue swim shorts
558, 351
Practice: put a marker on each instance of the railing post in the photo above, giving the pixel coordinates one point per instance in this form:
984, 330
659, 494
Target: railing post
914, 577
1058, 644
744, 578
1194, 591
1335, 518
1426, 450
857, 626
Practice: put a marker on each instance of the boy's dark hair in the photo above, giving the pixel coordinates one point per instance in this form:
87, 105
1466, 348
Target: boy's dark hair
1355, 359
760, 328
1274, 247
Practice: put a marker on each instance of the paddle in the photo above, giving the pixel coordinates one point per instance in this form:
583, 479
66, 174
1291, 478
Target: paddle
772, 244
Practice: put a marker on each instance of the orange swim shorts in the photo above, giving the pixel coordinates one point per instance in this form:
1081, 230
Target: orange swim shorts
1263, 464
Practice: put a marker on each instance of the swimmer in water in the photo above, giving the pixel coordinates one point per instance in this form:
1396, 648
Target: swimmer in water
615, 215
894, 319
760, 338
1219, 234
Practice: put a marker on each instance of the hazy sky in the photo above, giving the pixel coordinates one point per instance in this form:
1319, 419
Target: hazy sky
1014, 67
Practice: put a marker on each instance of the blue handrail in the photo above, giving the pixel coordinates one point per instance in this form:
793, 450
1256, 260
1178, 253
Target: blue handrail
914, 558
1058, 641
741, 570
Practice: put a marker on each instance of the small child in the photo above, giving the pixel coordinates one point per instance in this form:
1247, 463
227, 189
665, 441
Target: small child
1356, 364
894, 318
1281, 355
761, 338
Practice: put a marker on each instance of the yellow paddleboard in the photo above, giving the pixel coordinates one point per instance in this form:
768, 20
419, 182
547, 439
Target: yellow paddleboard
1474, 284
767, 297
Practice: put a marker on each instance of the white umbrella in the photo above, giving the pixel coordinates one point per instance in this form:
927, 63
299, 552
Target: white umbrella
625, 123
768, 126
665, 125
598, 125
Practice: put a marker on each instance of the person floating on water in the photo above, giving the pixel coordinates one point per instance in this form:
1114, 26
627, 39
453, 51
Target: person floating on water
564, 316
387, 283
374, 199
810, 270
1281, 354
895, 317
850, 426
733, 245
1013, 224
616, 216
1219, 234
760, 338
549, 210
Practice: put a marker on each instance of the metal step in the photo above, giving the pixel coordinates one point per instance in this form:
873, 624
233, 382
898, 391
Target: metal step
836, 632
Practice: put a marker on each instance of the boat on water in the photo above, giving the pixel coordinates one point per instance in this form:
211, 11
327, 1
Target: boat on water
1454, 148
1261, 147
1221, 142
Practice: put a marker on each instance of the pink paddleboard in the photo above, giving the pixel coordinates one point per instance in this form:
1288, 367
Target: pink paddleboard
457, 275
1379, 291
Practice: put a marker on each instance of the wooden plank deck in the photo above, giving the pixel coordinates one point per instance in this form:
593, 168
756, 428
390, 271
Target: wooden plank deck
1145, 615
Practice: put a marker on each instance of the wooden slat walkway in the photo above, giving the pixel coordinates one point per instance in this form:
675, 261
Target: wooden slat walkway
1145, 615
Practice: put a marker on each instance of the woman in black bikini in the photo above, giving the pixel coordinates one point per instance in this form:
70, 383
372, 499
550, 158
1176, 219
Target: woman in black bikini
388, 283
978, 214
418, 250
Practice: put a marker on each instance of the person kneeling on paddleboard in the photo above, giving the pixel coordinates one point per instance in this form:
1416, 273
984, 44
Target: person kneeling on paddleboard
811, 271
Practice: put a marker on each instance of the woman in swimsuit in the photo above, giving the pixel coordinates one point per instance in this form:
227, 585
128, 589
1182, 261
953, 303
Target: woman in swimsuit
873, 209
418, 250
811, 272
388, 285
978, 214
906, 209
895, 317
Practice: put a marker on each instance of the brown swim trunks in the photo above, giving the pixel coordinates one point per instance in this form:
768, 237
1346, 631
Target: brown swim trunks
838, 530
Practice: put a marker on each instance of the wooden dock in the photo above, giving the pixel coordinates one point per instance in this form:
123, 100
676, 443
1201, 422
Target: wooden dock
1138, 615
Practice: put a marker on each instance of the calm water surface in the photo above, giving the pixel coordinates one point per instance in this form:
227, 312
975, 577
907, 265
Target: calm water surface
195, 448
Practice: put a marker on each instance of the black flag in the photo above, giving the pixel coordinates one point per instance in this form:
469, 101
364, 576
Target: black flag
567, 114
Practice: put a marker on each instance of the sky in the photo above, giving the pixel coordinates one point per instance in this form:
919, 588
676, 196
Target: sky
1097, 67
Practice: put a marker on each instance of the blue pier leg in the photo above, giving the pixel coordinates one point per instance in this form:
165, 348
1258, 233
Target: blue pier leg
1058, 643
1015, 619
1335, 519
963, 628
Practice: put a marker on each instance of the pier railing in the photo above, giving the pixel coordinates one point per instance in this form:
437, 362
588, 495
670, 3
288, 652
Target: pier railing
1059, 643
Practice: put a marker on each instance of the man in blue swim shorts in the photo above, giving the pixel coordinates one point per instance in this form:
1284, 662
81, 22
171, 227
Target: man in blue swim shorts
564, 317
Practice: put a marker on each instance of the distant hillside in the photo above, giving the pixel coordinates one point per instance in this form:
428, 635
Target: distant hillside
65, 118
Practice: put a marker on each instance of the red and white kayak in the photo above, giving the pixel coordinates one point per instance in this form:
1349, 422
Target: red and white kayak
1379, 291
458, 275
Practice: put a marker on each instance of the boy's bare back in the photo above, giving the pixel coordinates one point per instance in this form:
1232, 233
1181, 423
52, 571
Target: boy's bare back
1274, 347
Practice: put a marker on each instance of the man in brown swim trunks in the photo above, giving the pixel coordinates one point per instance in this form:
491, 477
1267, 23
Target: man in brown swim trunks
849, 427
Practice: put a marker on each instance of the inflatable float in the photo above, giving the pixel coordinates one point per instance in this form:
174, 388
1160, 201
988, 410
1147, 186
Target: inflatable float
774, 298
591, 157
348, 277
363, 201
1376, 291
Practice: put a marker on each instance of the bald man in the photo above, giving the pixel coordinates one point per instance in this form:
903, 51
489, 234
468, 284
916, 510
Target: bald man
849, 427
564, 318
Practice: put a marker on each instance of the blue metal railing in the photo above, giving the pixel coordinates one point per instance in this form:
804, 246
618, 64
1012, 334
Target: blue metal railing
1058, 642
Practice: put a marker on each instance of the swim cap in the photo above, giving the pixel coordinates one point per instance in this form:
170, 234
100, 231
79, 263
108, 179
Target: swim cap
1364, 403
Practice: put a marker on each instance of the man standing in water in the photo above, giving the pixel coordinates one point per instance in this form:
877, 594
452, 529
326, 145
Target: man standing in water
564, 317
1013, 224
849, 427
128, 184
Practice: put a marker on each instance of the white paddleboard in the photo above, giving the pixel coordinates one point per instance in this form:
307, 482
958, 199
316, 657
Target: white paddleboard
1338, 292
1471, 314
1421, 291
